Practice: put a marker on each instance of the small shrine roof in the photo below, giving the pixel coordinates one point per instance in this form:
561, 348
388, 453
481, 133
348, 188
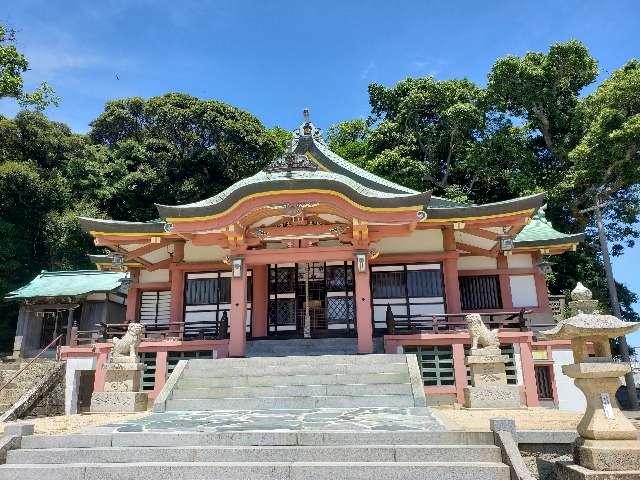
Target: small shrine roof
69, 284
539, 233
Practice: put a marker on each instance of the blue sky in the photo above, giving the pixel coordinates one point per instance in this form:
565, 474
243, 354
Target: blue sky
273, 58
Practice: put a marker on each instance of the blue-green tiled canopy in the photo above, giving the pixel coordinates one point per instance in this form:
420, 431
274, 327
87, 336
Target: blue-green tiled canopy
69, 284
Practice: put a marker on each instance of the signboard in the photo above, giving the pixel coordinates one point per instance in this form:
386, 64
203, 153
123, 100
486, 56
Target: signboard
606, 406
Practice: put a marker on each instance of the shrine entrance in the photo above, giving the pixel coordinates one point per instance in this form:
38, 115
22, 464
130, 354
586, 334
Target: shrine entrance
311, 300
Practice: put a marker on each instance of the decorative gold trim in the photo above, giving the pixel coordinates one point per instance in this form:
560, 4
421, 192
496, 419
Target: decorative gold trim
529, 211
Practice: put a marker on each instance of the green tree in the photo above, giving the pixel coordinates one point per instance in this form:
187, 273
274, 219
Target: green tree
433, 122
13, 65
543, 88
174, 149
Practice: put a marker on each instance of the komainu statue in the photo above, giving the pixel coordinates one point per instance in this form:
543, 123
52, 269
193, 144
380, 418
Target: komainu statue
125, 349
480, 334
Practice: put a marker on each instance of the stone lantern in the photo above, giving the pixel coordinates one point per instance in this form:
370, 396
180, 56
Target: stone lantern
608, 440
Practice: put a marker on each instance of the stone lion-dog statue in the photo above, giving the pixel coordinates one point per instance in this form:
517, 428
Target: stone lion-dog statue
480, 334
125, 349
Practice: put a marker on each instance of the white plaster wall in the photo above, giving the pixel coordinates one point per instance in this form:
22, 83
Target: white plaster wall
418, 242
157, 255
523, 291
161, 275
72, 381
474, 241
477, 263
519, 260
195, 253
570, 398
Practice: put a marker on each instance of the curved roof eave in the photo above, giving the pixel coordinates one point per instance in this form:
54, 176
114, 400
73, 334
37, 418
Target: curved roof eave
531, 202
562, 239
323, 181
116, 226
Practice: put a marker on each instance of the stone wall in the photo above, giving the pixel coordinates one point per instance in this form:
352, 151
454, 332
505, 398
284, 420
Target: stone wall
50, 403
541, 457
37, 392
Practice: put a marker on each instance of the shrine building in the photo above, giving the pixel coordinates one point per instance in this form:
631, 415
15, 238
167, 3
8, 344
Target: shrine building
314, 247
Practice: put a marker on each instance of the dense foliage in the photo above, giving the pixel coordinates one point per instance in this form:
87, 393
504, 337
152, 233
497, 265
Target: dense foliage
528, 130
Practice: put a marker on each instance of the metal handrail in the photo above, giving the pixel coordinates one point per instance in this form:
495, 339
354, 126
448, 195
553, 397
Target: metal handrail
30, 362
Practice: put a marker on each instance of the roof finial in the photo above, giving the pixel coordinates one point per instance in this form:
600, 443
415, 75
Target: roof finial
305, 113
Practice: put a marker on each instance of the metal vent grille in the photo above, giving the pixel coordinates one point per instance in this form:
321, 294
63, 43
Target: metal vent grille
436, 364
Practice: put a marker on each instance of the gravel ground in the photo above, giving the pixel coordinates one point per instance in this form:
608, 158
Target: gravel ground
74, 423
526, 418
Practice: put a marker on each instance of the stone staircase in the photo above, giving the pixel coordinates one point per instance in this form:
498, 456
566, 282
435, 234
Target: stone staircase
297, 382
36, 374
347, 417
263, 455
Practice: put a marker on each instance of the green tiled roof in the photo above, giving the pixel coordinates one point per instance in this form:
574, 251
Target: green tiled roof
69, 284
264, 181
539, 232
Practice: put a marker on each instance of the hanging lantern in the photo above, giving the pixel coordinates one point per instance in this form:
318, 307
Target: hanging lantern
505, 241
545, 267
236, 266
117, 260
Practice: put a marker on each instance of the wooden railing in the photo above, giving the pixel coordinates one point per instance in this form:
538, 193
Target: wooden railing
450, 322
187, 331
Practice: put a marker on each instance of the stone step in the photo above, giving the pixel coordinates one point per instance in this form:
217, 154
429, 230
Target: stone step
311, 379
252, 454
254, 438
302, 346
260, 471
293, 391
289, 403
233, 370
205, 363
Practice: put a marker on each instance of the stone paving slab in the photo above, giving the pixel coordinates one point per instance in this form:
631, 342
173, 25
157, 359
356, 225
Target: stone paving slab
351, 419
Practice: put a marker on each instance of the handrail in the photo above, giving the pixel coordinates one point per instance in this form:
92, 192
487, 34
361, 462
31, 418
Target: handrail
54, 341
441, 322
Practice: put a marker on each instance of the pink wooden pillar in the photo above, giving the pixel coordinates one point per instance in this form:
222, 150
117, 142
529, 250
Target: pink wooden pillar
505, 283
259, 301
459, 371
450, 271
528, 375
364, 325
541, 284
133, 296
238, 317
177, 299
99, 380
160, 374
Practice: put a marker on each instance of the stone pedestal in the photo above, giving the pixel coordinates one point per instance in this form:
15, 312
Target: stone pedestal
121, 389
608, 440
571, 471
489, 381
608, 447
